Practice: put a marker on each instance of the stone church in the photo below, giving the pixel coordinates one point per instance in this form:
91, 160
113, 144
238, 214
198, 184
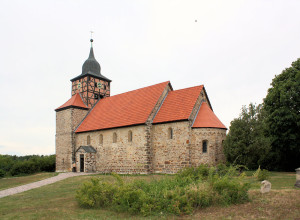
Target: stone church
154, 129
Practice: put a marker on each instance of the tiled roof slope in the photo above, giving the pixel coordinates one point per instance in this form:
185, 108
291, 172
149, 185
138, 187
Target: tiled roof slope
206, 118
130, 108
178, 105
74, 101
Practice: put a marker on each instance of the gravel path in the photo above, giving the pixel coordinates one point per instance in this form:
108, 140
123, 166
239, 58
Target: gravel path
23, 188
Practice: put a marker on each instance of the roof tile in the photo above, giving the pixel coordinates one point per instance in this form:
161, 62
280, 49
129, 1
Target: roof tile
206, 118
125, 109
74, 101
178, 105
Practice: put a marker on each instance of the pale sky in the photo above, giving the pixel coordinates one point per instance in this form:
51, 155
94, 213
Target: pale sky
235, 49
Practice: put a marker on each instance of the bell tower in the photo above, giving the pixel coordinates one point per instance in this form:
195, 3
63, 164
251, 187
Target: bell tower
91, 84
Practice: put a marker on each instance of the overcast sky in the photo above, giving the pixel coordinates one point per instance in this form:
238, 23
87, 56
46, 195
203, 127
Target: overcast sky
234, 48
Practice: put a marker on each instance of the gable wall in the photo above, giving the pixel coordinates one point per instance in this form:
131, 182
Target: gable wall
122, 156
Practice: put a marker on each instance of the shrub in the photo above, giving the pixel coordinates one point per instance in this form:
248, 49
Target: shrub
2, 173
191, 188
263, 175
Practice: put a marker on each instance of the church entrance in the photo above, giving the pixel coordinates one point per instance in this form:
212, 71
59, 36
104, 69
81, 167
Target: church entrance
81, 162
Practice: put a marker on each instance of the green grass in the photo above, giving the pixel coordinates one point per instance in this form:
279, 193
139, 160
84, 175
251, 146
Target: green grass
57, 201
279, 180
10, 182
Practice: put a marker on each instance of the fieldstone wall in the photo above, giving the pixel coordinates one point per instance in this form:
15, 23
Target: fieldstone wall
120, 157
170, 155
214, 137
66, 122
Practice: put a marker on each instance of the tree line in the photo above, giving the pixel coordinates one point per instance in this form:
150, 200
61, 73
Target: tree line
268, 134
22, 165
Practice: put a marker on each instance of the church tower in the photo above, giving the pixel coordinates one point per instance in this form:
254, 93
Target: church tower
91, 84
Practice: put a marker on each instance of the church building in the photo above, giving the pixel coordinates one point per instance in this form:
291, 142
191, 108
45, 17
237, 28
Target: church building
154, 129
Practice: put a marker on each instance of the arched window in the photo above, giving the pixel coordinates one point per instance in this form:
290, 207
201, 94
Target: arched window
204, 146
101, 139
88, 140
115, 137
170, 133
129, 136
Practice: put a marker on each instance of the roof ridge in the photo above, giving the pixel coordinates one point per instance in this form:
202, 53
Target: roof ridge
188, 88
140, 88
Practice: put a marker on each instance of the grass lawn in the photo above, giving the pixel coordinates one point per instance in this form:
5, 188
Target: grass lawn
10, 182
57, 201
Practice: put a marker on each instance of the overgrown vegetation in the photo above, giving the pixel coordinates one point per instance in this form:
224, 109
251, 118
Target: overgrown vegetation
268, 134
14, 165
189, 189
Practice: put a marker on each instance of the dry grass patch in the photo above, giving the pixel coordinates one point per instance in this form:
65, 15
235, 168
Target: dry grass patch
278, 204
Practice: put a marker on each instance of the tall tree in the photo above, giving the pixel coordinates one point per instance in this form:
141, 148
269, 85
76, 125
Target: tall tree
245, 143
282, 106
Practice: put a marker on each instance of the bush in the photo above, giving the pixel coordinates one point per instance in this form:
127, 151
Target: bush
263, 175
189, 189
2, 173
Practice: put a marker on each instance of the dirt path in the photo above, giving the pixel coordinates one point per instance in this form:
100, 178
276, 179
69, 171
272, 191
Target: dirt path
23, 188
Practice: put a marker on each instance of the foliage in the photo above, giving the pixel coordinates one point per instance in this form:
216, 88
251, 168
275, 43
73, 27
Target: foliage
13, 165
2, 173
191, 188
282, 106
261, 175
245, 143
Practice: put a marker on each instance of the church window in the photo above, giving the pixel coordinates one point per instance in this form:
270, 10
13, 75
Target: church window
88, 140
204, 146
101, 138
170, 133
96, 96
115, 137
104, 87
129, 136
63, 161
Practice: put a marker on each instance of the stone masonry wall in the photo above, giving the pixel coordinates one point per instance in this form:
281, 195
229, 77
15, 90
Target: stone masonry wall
89, 161
66, 122
170, 155
122, 156
214, 155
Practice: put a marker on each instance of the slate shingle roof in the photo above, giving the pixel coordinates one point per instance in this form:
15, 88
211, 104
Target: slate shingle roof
206, 118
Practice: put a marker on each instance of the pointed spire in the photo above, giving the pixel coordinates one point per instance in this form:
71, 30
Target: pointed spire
91, 56
91, 65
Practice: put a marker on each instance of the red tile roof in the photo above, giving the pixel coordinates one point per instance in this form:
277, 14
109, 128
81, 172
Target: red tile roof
74, 101
178, 105
130, 108
206, 118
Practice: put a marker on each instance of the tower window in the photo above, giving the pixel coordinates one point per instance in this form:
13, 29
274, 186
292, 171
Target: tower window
115, 137
104, 86
129, 136
204, 146
88, 140
170, 133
